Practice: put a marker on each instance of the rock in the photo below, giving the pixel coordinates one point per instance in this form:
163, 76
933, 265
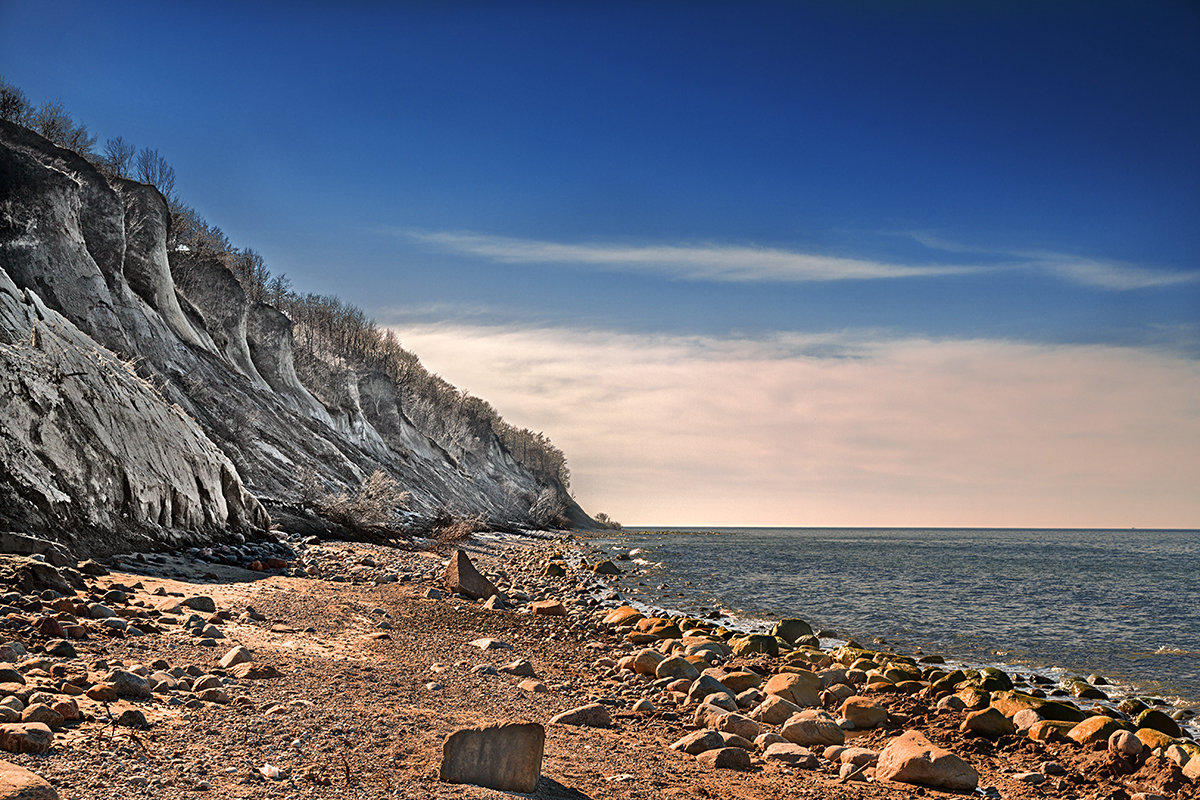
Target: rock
554, 570
18, 783
1025, 719
536, 686
951, 702
1094, 729
238, 655
606, 568
864, 713
1153, 739
102, 693
774, 710
644, 706
755, 643
1047, 730
911, 758
1192, 768
40, 712
1157, 720
25, 737
10, 674
625, 615
432, 594
593, 715
497, 603
126, 684
677, 667
740, 681
491, 644
739, 725
521, 667
724, 758
1126, 744
791, 754
810, 732
549, 608
132, 718
461, 577
1030, 778
791, 629
798, 688
254, 672
200, 603
502, 756
988, 723
646, 661
706, 685
219, 696
700, 741
61, 648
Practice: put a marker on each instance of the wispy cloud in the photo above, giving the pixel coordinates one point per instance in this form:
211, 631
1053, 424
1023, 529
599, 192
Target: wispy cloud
1094, 273
845, 428
706, 262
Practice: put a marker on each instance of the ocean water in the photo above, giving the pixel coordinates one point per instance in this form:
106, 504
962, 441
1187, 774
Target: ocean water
1121, 603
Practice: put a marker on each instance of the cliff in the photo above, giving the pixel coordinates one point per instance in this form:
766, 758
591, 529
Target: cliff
145, 398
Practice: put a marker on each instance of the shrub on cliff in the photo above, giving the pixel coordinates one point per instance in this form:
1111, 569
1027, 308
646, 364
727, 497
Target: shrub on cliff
374, 504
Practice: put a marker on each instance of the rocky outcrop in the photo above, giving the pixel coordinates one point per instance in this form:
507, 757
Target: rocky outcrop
87, 445
218, 410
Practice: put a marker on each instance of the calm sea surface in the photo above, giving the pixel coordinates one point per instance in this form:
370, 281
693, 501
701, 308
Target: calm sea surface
1122, 603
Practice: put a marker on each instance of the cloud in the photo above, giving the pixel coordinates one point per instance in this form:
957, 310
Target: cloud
845, 429
1093, 273
722, 263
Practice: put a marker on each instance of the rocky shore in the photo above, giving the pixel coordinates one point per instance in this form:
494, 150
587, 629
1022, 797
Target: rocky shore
297, 668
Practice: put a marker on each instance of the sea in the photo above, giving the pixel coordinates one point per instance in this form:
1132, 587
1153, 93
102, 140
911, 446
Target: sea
1122, 604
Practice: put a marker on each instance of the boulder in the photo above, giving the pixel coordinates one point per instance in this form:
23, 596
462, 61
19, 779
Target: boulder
1124, 743
606, 568
1094, 729
26, 737
548, 608
755, 643
724, 758
704, 686
739, 725
18, 783
1047, 730
791, 629
792, 755
646, 661
774, 710
1192, 769
625, 615
799, 688
812, 732
592, 715
1154, 739
700, 741
462, 577
502, 756
911, 758
1157, 720
864, 713
238, 655
677, 667
988, 723
741, 680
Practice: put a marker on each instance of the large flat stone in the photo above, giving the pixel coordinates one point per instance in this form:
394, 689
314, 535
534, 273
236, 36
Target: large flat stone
504, 756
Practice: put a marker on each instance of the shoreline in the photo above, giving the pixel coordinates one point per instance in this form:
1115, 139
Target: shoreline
692, 599
366, 665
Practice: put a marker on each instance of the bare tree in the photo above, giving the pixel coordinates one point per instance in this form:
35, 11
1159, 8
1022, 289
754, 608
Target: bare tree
154, 170
52, 121
118, 157
14, 105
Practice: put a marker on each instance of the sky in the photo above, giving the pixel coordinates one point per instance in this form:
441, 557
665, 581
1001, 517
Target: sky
830, 264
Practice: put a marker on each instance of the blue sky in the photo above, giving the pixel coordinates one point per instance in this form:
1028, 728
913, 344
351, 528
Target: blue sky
592, 182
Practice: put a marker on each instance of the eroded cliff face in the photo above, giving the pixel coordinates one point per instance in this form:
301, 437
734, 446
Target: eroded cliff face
88, 284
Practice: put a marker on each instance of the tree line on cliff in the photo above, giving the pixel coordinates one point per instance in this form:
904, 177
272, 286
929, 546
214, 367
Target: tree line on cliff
324, 327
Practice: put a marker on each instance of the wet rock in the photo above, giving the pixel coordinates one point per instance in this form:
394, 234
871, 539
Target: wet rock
593, 715
791, 629
18, 783
503, 756
1159, 721
1094, 729
724, 758
911, 758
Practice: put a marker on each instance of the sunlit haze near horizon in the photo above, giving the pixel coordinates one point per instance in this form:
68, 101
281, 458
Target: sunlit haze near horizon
811, 264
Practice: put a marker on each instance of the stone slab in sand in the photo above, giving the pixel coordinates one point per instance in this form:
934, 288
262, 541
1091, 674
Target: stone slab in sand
505, 756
